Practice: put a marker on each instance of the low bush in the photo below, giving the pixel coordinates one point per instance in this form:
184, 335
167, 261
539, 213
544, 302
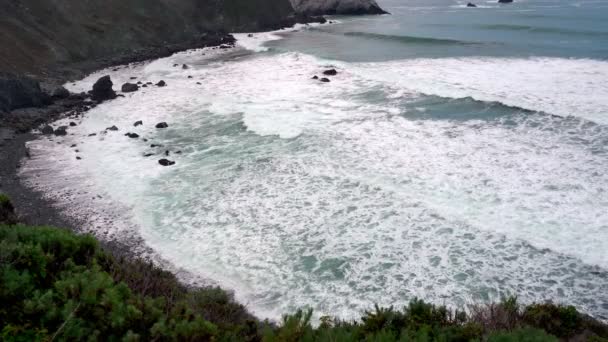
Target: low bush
58, 286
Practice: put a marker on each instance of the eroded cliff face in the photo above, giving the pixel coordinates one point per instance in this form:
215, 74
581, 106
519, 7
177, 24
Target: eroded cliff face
38, 37
319, 7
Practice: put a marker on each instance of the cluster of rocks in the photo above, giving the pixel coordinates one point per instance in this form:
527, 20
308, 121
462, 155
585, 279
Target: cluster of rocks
103, 91
131, 135
328, 72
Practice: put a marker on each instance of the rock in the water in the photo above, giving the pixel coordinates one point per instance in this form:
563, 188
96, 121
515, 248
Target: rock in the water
72, 124
129, 88
161, 84
331, 7
62, 130
162, 125
47, 130
471, 5
155, 145
138, 123
505, 1
166, 162
185, 67
325, 79
315, 77
113, 128
60, 93
102, 90
330, 72
132, 135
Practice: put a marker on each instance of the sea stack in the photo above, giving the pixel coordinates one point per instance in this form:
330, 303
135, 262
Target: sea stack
331, 7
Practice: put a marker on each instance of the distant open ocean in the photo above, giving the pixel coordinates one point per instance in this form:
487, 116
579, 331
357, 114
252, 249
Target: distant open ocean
460, 155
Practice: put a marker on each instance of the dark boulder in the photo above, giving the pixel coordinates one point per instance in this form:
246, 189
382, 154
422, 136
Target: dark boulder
148, 155
21, 92
60, 93
161, 84
325, 80
47, 130
102, 90
471, 5
132, 135
166, 162
72, 124
162, 125
62, 130
315, 77
505, 1
113, 128
185, 67
129, 88
330, 72
138, 123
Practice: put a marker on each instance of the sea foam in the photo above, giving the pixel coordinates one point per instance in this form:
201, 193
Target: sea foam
339, 195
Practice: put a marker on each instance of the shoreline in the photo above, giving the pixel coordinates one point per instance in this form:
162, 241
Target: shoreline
45, 210
35, 208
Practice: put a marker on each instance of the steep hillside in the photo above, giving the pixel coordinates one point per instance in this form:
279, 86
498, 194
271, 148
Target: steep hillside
40, 37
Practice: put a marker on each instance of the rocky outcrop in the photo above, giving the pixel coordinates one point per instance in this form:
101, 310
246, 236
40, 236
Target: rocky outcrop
347, 7
102, 90
129, 87
20, 92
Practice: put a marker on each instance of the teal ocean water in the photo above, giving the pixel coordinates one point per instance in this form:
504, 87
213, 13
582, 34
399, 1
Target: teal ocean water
459, 156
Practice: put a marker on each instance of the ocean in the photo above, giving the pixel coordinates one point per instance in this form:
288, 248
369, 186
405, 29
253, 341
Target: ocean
458, 156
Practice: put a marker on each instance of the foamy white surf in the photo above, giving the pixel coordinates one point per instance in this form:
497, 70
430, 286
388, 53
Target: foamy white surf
340, 195
559, 86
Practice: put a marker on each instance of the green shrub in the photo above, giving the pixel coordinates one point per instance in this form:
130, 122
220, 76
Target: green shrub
7, 211
522, 335
561, 321
55, 285
52, 286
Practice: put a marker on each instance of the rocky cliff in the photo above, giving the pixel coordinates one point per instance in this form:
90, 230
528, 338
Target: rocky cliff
39, 37
319, 7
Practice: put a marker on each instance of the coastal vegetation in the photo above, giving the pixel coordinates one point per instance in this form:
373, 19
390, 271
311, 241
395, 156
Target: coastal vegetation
57, 286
